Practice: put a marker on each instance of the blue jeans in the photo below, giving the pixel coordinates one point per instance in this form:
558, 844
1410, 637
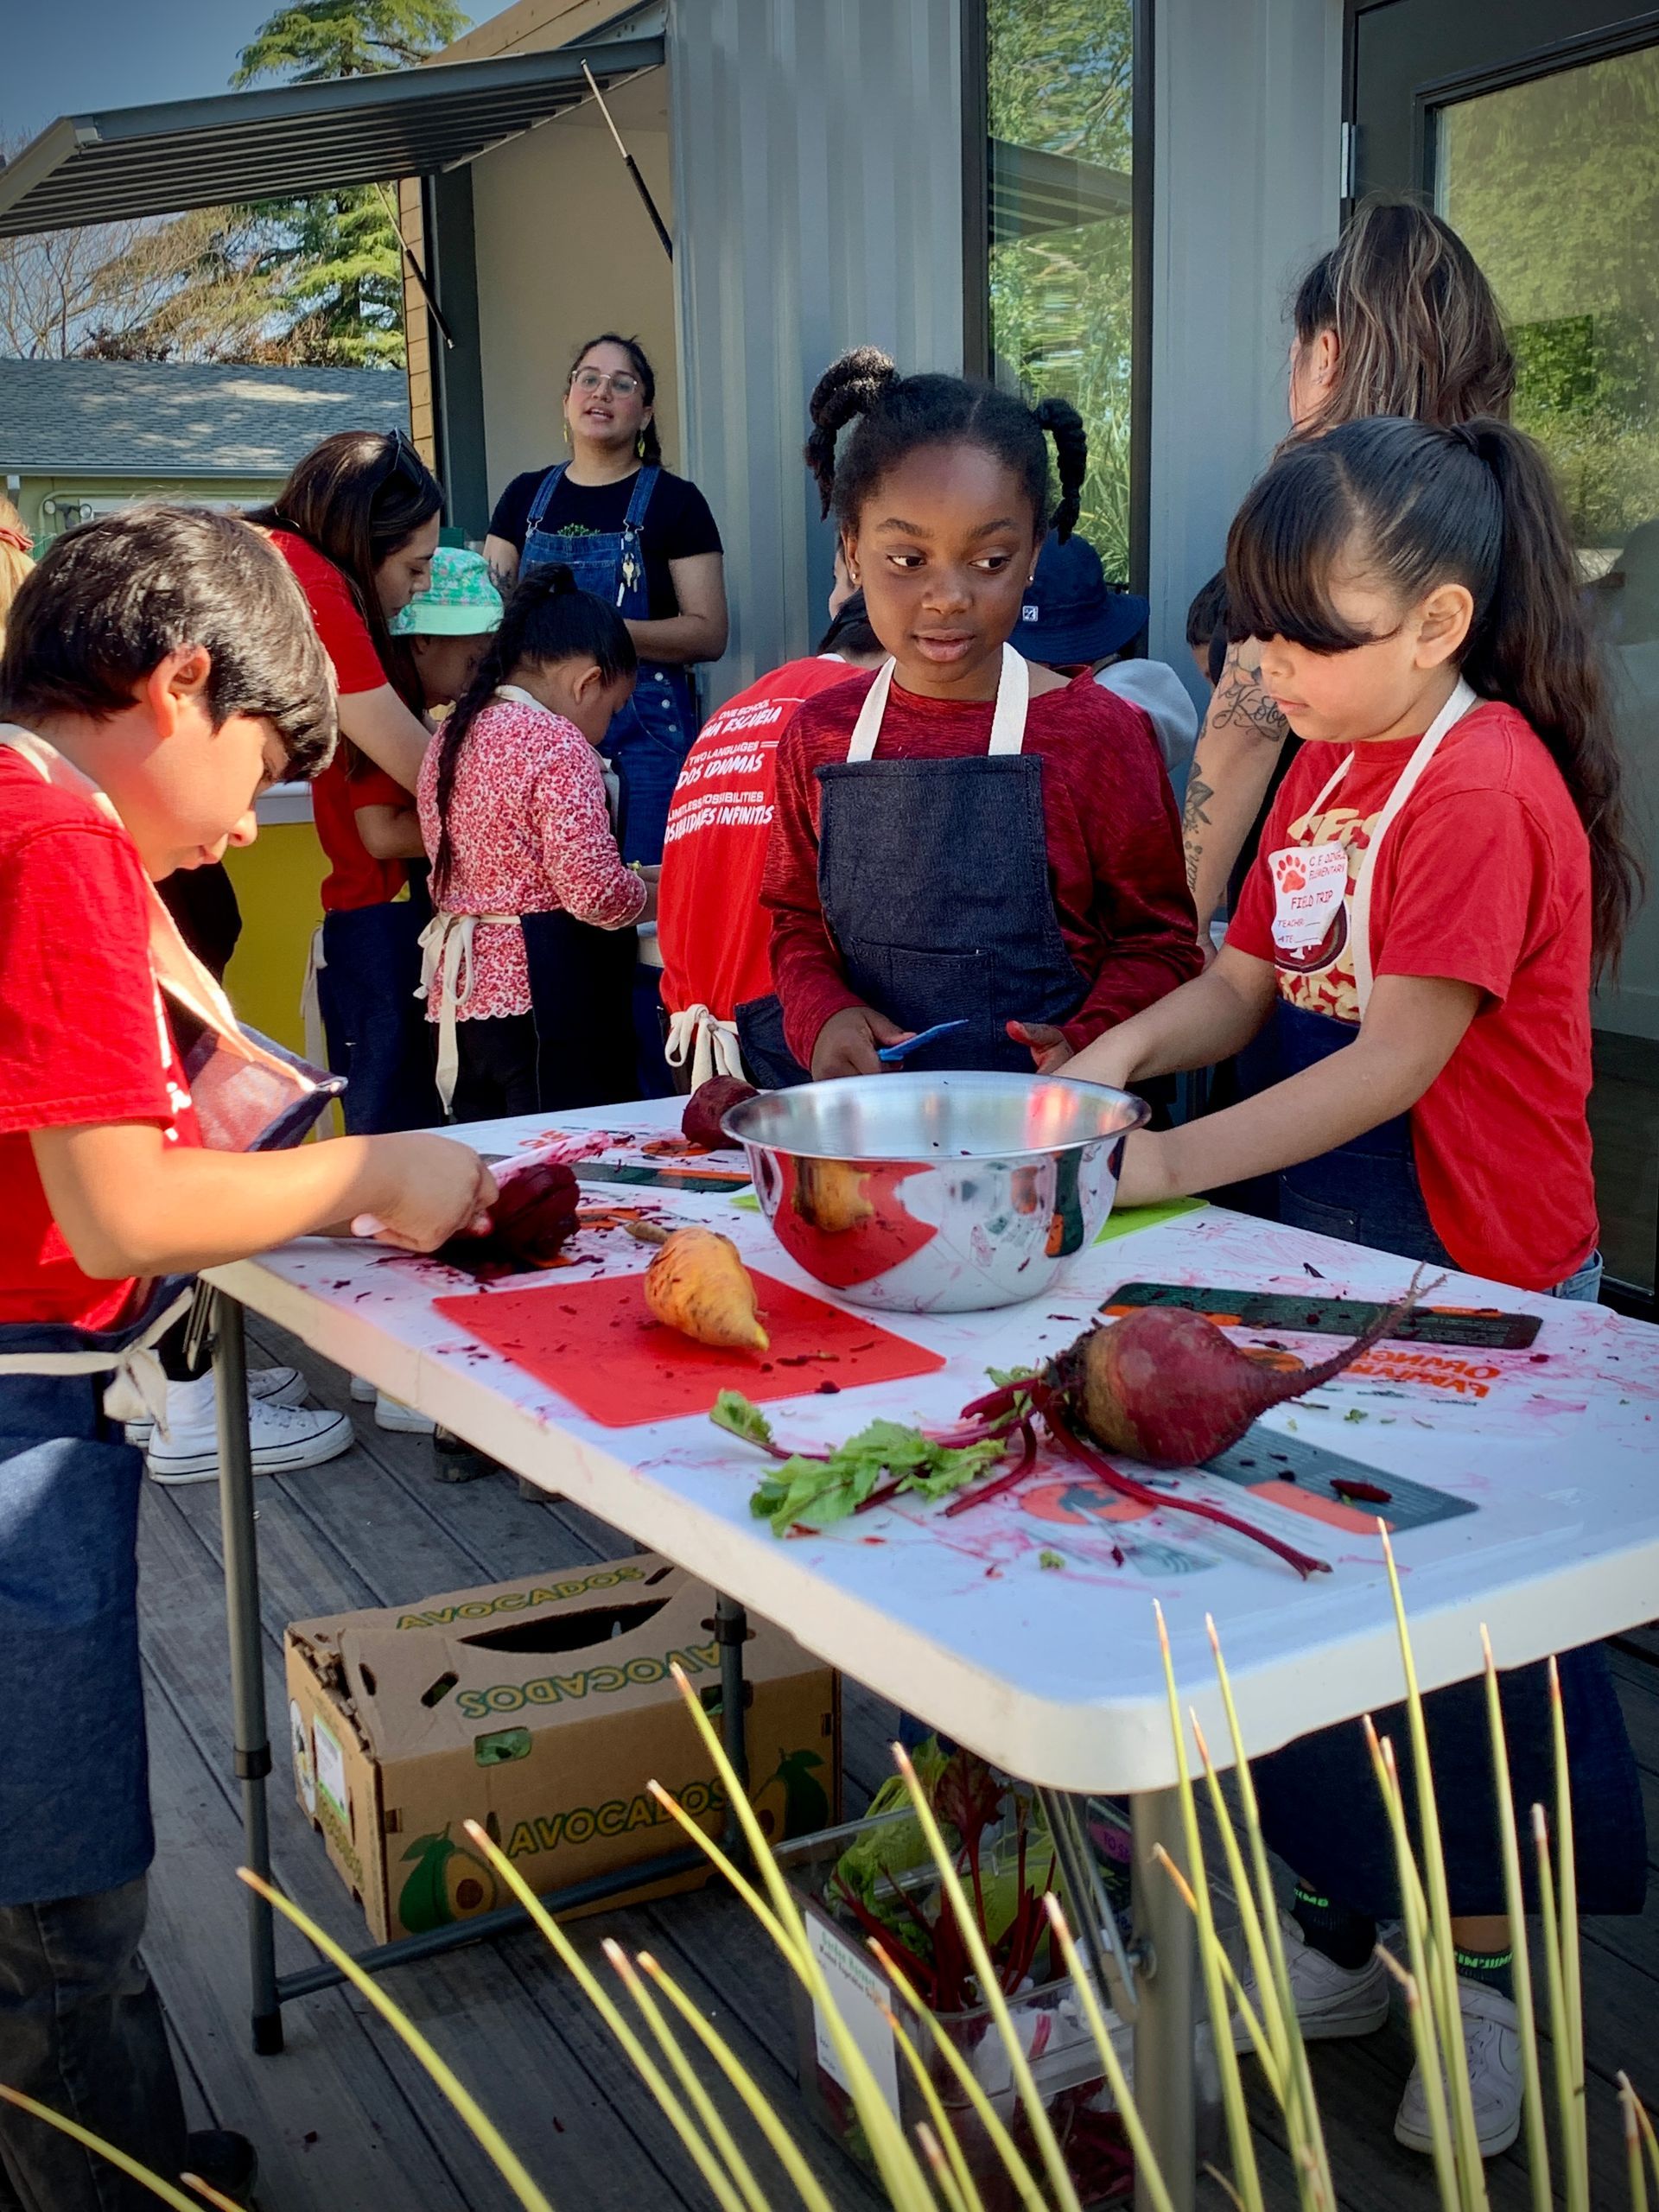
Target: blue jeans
81, 2031
375, 1021
1585, 1288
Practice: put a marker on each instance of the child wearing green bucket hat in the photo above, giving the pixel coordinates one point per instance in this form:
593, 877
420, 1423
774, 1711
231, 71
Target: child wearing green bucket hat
448, 624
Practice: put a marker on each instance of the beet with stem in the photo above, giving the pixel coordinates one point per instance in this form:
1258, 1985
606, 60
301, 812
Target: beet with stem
1166, 1386
701, 1122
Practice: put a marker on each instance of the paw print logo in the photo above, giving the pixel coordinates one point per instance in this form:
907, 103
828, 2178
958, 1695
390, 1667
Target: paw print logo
1291, 875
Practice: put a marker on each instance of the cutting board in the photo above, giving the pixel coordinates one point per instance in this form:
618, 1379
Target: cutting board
598, 1347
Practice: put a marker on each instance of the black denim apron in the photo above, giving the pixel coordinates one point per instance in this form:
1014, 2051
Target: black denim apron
933, 878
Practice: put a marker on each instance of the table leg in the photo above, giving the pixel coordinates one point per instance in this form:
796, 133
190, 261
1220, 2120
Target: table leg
1164, 2084
731, 1633
252, 1744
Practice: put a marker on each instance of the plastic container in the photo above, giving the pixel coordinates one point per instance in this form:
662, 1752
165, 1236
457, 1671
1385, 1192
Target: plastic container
1047, 2015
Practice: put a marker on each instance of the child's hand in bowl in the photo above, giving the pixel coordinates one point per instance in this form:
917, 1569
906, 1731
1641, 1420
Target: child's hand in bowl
1048, 1045
848, 1042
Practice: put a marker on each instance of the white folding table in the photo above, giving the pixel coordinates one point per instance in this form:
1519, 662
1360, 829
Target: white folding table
1525, 1483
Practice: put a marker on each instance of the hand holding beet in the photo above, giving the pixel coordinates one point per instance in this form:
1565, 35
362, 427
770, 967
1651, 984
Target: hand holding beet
534, 1216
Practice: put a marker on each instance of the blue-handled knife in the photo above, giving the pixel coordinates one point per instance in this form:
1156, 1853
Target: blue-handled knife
890, 1055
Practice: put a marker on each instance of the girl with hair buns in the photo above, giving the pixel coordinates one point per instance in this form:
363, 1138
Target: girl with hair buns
962, 837
1397, 319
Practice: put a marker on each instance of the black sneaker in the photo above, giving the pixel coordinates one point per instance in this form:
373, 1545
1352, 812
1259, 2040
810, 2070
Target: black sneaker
226, 2161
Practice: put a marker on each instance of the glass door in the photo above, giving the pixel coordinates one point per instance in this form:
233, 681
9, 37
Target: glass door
1536, 130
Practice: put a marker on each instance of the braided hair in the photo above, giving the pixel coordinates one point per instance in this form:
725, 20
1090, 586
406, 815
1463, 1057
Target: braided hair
895, 415
547, 619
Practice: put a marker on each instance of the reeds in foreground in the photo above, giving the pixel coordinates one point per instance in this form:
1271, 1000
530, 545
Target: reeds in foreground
751, 2160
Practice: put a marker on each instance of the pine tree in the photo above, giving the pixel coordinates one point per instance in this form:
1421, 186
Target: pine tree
333, 260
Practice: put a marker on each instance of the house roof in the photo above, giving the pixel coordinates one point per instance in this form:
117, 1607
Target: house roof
271, 143
172, 418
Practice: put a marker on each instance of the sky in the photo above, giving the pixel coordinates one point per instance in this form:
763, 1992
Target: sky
64, 57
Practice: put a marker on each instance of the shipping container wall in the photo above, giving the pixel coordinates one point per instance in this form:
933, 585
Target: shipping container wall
817, 158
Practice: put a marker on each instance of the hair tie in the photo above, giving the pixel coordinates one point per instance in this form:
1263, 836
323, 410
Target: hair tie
19, 540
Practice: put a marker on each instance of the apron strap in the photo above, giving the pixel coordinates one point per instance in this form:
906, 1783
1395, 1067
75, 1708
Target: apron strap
447, 954
1359, 909
543, 498
138, 1384
711, 1044
1008, 718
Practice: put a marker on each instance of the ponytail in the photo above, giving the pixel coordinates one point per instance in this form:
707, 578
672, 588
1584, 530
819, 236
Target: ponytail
1418, 506
547, 621
1536, 650
898, 415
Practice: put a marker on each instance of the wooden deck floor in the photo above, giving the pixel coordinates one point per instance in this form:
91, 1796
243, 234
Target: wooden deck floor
346, 2120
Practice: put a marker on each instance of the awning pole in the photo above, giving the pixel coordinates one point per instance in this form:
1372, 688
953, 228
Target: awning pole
416, 270
631, 166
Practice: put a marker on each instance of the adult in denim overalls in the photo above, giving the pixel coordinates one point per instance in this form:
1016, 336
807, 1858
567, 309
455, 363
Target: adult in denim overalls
609, 423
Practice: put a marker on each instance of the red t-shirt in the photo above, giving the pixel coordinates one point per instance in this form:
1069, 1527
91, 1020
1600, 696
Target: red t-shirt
83, 1033
1114, 864
1485, 879
355, 877
711, 927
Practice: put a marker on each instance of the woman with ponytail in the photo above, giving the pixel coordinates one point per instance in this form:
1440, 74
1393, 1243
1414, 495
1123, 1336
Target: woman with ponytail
1442, 876
530, 955
963, 838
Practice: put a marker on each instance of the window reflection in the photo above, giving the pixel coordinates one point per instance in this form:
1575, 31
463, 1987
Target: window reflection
1059, 107
1554, 186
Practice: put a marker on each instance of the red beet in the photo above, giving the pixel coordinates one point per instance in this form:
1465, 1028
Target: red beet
533, 1218
701, 1122
1166, 1386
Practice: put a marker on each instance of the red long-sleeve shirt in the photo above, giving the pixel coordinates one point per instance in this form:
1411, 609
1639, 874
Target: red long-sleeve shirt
1114, 864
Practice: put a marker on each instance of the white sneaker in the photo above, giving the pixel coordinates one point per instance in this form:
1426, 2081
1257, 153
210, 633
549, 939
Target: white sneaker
363, 1394
267, 1386
184, 1447
1492, 2039
393, 1413
1331, 2001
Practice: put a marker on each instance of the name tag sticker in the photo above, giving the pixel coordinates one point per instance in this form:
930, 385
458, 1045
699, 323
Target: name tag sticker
1308, 884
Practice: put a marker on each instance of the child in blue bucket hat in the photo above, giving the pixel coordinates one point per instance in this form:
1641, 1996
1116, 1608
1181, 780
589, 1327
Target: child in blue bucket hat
1071, 618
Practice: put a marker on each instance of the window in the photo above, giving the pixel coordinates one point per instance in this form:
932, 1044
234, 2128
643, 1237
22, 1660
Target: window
1059, 98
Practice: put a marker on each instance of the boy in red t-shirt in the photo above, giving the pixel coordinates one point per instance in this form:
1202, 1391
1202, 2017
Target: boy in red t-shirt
160, 667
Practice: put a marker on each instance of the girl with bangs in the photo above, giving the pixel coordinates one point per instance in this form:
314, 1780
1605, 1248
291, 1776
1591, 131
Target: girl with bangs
1440, 878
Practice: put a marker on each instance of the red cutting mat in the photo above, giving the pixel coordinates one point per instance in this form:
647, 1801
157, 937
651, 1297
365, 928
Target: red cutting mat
597, 1346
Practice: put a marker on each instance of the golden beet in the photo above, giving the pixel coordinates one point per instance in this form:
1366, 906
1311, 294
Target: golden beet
698, 1285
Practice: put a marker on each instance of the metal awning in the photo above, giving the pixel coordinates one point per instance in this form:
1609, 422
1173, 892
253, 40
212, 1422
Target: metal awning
298, 139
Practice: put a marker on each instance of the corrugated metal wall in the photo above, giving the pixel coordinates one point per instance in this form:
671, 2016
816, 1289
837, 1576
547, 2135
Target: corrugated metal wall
817, 187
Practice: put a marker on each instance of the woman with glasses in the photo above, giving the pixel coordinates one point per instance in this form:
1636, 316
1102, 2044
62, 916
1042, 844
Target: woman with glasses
358, 524
639, 537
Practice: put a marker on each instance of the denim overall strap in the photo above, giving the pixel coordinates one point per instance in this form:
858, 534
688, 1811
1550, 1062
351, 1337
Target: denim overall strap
74, 1799
651, 736
933, 877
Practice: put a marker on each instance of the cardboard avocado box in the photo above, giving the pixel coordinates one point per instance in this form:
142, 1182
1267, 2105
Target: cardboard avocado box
539, 1708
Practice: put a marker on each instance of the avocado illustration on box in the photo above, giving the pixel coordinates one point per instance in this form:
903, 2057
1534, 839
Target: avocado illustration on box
796, 1792
449, 1883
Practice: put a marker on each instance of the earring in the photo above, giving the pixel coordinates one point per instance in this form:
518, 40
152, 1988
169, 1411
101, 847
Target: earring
639, 446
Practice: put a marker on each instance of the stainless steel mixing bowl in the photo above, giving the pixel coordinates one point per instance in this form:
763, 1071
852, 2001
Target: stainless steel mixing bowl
941, 1193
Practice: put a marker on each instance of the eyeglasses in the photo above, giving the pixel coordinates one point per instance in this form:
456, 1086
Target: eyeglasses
590, 381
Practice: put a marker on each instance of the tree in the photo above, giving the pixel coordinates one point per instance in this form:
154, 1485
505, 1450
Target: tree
334, 263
